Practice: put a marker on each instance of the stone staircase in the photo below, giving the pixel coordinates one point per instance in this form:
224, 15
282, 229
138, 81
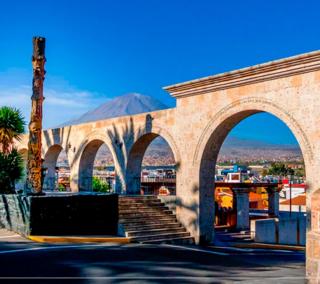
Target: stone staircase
145, 219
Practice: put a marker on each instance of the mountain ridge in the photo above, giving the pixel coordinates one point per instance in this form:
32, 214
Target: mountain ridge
236, 142
128, 104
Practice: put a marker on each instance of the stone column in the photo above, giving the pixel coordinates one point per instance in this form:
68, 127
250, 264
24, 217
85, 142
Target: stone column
313, 238
133, 184
34, 167
241, 205
273, 201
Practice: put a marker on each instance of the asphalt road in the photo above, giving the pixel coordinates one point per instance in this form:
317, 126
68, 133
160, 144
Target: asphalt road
23, 261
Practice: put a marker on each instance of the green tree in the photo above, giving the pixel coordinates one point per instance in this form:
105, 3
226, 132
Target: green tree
11, 170
11, 163
300, 172
99, 185
280, 169
265, 172
11, 127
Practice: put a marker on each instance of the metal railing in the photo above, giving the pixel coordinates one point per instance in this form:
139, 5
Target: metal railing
158, 179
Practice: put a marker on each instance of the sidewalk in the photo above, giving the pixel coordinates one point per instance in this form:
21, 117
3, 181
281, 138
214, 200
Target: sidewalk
80, 239
243, 240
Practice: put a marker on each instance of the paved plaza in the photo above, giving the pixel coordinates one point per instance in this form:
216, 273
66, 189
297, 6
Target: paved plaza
105, 263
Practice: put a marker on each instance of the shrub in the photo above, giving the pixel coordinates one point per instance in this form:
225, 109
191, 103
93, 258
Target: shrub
99, 185
11, 170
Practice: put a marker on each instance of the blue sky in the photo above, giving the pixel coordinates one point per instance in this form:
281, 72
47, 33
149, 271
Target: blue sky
97, 50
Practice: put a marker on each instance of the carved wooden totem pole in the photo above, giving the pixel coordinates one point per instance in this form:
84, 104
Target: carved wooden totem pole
34, 167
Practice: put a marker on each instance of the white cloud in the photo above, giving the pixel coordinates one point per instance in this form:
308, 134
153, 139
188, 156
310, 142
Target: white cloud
63, 102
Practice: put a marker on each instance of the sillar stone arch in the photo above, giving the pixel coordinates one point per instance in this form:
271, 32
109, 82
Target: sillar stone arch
88, 152
206, 109
212, 138
144, 137
50, 163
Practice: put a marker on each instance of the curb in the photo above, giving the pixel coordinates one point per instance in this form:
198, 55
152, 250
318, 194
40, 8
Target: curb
270, 246
71, 239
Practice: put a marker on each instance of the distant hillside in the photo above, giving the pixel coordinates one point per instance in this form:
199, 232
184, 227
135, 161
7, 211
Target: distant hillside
159, 152
120, 106
250, 150
235, 142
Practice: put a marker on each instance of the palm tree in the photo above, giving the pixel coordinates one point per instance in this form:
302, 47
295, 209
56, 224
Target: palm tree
11, 127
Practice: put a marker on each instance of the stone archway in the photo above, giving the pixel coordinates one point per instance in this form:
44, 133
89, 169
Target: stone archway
212, 139
50, 163
136, 154
86, 165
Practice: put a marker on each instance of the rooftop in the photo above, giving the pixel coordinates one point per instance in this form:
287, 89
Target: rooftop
298, 200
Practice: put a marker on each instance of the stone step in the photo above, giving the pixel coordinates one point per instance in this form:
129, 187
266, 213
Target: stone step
138, 196
159, 214
144, 209
142, 233
148, 220
143, 224
137, 206
154, 237
141, 203
128, 214
132, 227
184, 240
138, 199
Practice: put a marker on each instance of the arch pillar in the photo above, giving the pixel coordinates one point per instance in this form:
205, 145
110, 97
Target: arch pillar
194, 205
241, 205
313, 240
74, 176
273, 201
50, 163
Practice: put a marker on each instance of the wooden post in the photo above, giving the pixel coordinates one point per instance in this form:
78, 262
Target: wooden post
34, 166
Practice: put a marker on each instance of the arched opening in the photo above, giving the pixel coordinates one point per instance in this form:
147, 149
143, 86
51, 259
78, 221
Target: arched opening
241, 186
151, 167
56, 170
97, 170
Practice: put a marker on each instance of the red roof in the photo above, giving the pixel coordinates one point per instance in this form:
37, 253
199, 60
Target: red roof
298, 200
296, 185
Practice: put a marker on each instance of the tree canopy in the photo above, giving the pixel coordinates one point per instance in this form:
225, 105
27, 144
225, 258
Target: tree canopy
280, 169
11, 163
100, 185
11, 170
11, 127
